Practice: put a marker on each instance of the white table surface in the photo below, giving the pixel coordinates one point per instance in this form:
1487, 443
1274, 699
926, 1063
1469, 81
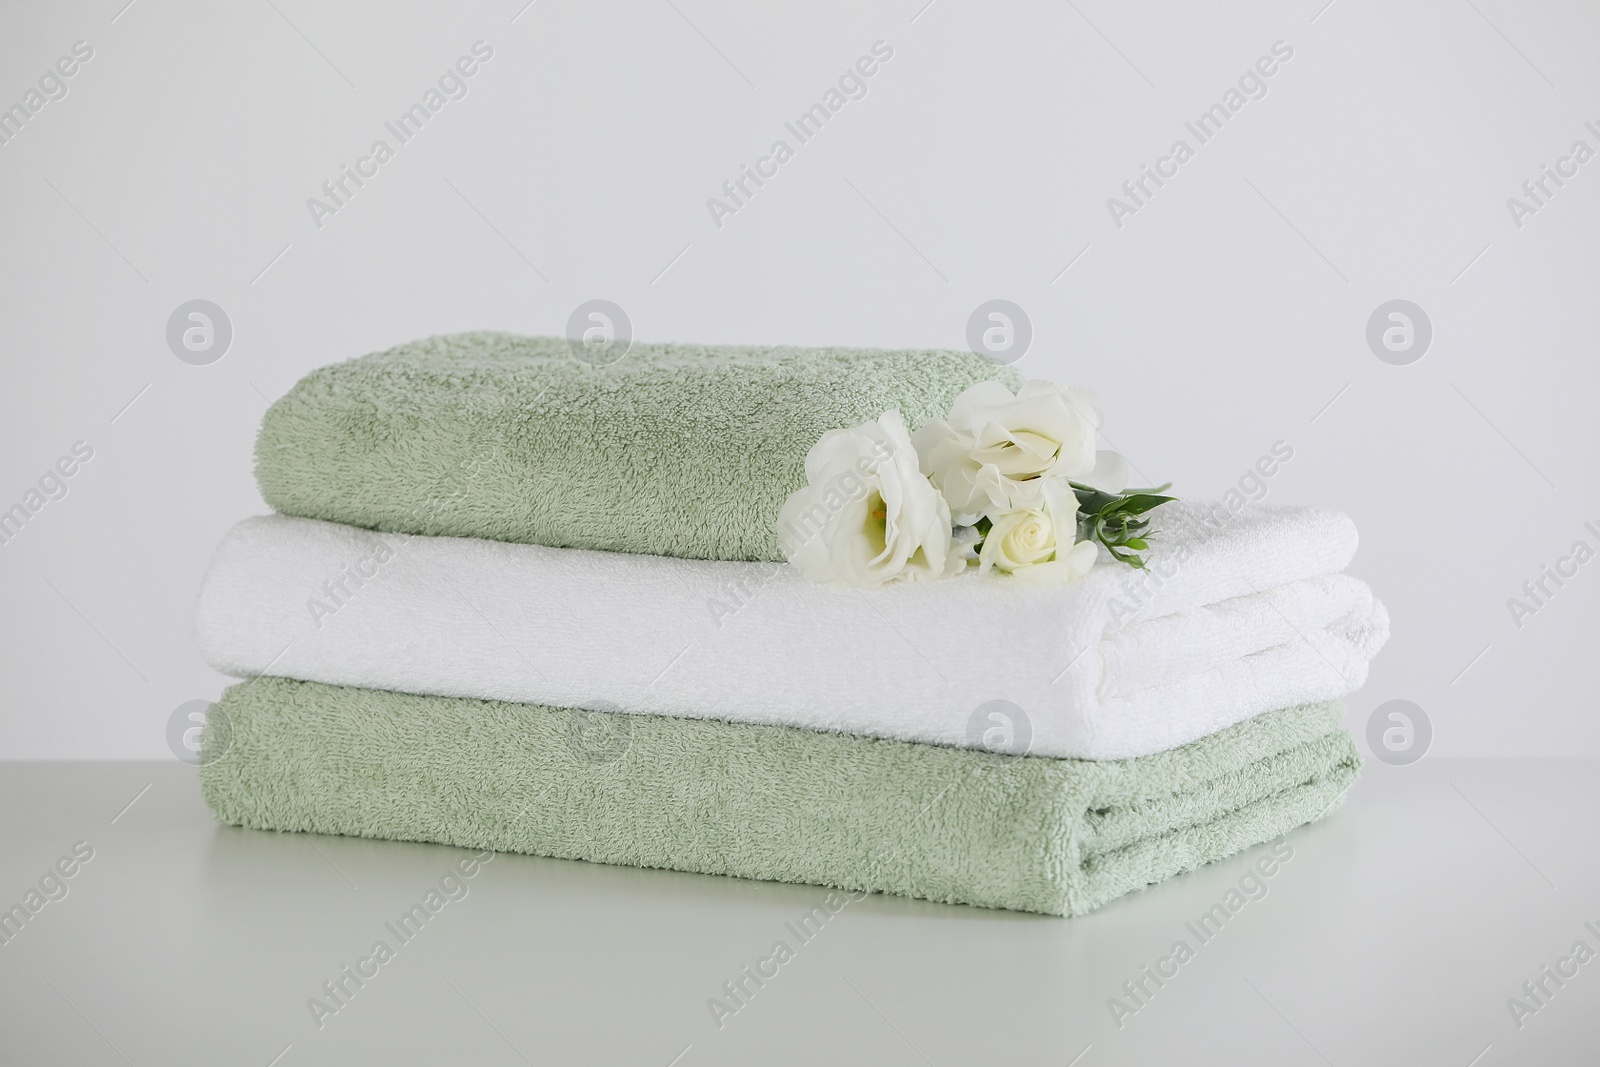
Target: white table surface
1396, 934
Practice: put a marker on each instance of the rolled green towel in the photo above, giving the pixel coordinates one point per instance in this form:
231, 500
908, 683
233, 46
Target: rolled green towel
955, 825
674, 450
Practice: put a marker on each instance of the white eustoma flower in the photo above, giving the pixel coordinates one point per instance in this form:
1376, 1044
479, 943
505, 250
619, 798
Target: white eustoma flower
1110, 472
1036, 543
867, 515
989, 454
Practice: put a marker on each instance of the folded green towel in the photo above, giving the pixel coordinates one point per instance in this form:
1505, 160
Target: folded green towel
675, 450
954, 825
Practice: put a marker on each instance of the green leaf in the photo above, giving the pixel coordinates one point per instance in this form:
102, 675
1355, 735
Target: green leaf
1114, 519
1143, 502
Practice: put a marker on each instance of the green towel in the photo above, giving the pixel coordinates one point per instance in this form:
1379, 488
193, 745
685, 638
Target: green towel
675, 450
955, 825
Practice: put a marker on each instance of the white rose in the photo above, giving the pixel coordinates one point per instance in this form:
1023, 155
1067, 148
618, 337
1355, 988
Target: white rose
1024, 542
988, 456
867, 515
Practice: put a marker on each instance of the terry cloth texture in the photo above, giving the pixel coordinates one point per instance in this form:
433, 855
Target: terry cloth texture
953, 825
676, 450
1233, 618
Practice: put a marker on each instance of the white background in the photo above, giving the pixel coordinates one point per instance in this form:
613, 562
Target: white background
1223, 317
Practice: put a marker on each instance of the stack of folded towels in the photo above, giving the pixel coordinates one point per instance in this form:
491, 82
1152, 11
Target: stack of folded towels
514, 601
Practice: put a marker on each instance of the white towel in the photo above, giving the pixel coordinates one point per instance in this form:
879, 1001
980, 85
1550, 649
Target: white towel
1234, 617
